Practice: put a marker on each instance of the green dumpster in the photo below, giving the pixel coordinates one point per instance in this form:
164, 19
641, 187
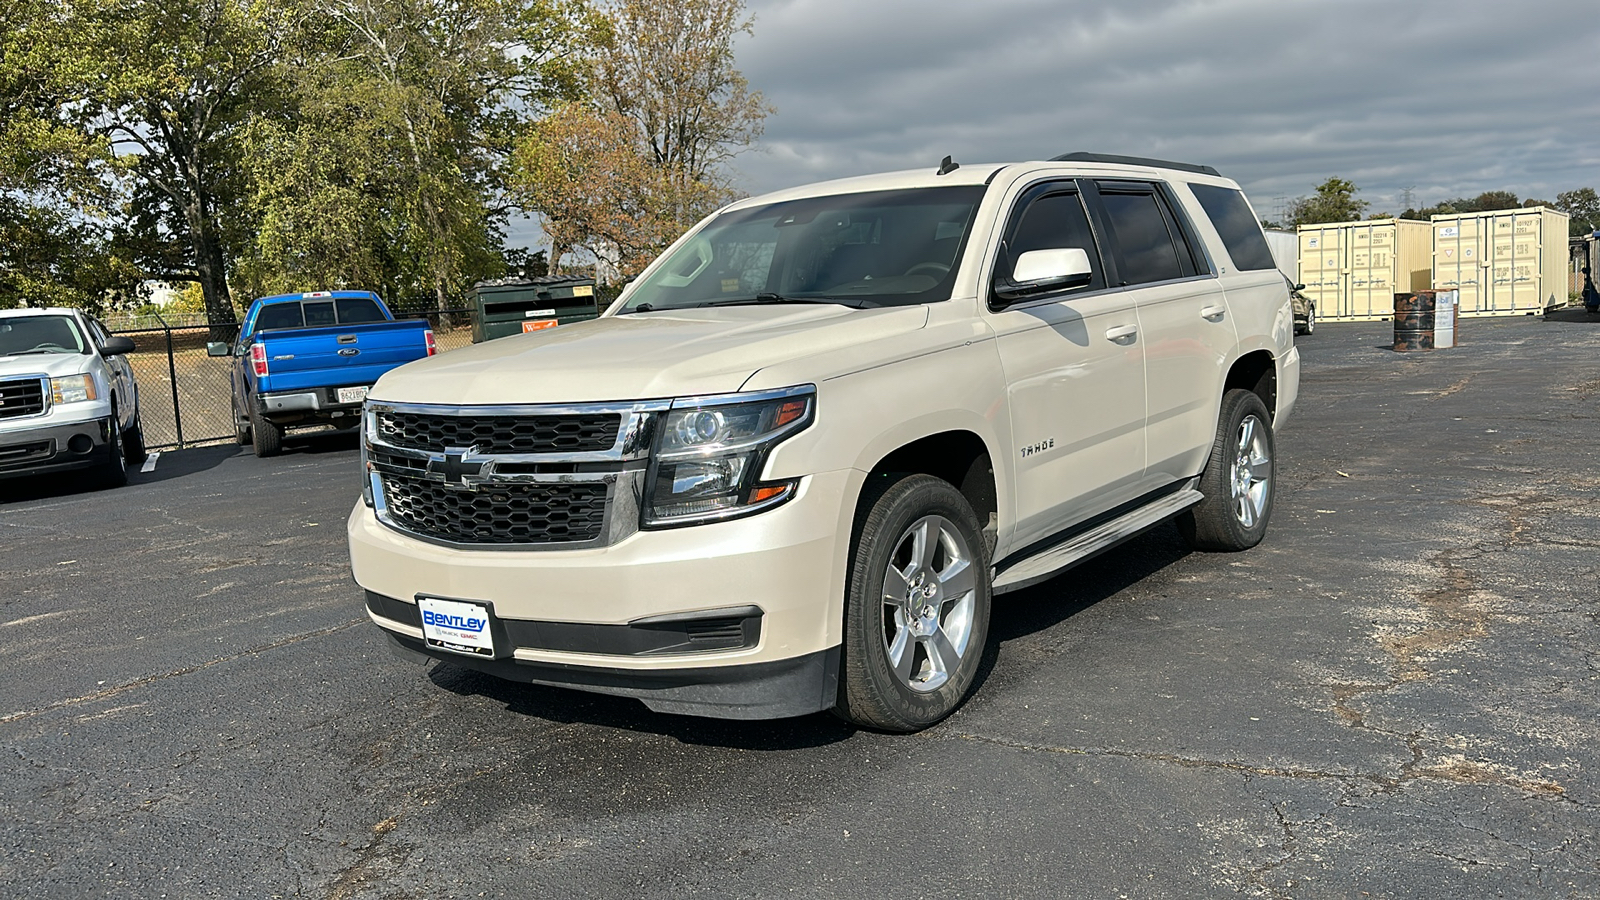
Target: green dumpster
515, 305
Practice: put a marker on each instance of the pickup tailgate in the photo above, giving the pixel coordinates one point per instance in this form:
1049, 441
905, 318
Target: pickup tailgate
334, 356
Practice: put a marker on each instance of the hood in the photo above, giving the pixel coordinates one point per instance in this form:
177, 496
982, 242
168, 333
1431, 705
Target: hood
54, 365
641, 356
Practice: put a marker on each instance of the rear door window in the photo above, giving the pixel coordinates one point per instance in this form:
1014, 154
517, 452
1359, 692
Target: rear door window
1149, 245
1237, 226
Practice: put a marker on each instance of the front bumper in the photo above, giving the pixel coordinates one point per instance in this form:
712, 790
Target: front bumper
53, 446
597, 615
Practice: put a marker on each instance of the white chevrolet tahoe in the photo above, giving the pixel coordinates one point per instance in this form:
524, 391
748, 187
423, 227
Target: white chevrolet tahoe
788, 469
67, 397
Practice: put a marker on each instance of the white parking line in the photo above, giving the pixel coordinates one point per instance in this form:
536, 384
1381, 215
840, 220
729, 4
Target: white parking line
150, 462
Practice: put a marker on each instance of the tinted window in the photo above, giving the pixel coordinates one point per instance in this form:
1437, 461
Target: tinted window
1240, 232
40, 334
279, 315
1143, 238
319, 314
883, 248
1053, 222
358, 310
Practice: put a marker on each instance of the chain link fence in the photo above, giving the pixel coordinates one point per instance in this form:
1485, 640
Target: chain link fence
186, 397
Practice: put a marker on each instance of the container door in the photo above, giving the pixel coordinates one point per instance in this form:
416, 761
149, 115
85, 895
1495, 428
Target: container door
1372, 264
1458, 259
1322, 270
1514, 262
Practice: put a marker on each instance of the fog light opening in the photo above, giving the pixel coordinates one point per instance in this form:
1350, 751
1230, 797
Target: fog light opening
80, 443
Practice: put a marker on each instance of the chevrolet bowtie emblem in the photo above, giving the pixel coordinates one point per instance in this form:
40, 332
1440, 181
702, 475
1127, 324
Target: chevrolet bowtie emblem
457, 468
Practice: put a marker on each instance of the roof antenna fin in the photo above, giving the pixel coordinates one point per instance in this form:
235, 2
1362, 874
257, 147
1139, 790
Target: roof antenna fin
949, 165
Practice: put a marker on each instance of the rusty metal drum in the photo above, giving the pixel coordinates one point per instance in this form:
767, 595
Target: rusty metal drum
1414, 320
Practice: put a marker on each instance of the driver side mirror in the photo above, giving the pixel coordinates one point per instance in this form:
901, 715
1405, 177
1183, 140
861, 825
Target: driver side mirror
218, 348
1040, 271
116, 345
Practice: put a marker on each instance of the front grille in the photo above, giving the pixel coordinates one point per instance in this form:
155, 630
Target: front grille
588, 433
23, 397
497, 514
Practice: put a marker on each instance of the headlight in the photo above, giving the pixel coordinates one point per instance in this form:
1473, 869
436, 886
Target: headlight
73, 389
709, 453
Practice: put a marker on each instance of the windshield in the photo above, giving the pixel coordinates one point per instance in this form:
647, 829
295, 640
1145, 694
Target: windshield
885, 248
39, 334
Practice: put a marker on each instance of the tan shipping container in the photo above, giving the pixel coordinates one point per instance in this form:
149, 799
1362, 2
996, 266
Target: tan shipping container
1352, 270
1504, 262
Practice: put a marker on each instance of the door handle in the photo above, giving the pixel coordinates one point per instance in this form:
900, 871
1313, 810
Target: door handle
1122, 333
1212, 313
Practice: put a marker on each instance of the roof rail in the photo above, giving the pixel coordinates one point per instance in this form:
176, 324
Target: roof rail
1134, 161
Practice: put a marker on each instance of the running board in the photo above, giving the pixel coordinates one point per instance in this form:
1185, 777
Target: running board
1074, 550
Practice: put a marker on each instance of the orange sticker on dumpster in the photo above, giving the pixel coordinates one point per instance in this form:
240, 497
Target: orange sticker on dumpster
539, 325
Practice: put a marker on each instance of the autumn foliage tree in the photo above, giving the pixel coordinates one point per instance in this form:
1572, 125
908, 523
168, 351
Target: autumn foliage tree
623, 174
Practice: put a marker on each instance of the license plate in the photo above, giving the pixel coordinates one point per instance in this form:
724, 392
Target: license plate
456, 626
539, 325
352, 395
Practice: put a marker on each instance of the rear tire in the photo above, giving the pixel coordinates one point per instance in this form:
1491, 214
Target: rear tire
916, 605
265, 438
1238, 479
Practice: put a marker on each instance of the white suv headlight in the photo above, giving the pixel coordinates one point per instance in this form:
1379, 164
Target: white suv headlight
73, 389
709, 452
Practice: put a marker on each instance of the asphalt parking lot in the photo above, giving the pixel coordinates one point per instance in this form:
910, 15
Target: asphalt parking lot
1396, 695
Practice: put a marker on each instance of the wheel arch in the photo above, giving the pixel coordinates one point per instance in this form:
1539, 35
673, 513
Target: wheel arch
1256, 371
960, 457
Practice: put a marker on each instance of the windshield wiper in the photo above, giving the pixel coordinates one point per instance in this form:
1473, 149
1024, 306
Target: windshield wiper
765, 298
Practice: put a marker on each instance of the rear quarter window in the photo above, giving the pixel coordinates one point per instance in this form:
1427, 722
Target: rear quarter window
1237, 226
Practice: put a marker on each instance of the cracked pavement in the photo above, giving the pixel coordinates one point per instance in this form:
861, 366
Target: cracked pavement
1396, 695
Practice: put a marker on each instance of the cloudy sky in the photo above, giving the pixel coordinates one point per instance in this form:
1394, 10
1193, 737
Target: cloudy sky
1445, 98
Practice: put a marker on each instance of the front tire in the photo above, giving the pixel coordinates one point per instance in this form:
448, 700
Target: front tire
1238, 479
114, 471
916, 605
1311, 321
133, 449
241, 426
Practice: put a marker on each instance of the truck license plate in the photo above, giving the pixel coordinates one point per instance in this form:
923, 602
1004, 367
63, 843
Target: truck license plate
456, 626
538, 325
352, 394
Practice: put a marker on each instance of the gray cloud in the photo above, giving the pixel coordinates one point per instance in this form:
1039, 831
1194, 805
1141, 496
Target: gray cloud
1448, 98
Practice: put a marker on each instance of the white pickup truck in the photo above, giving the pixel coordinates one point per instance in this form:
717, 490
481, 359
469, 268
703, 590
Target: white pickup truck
788, 469
67, 397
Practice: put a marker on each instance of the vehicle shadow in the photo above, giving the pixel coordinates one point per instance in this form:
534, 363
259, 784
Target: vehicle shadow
570, 706
1017, 615
1573, 314
169, 465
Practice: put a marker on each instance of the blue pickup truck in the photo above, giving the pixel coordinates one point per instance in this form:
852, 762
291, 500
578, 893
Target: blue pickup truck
308, 360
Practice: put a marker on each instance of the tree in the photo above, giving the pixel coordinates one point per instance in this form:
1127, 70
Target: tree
391, 170
1334, 202
1583, 205
622, 176
55, 176
176, 81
